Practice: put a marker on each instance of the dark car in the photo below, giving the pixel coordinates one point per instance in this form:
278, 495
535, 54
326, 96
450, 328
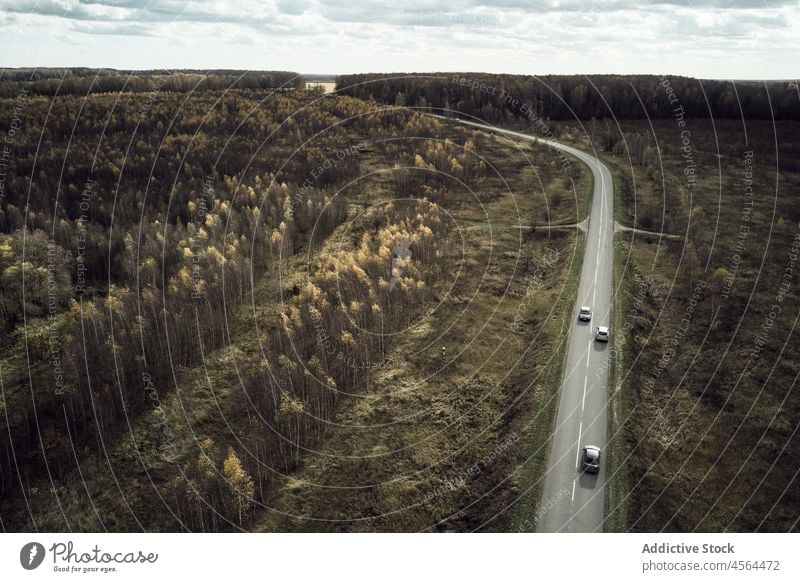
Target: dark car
591, 459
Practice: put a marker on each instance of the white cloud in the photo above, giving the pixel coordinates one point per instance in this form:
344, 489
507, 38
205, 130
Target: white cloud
719, 38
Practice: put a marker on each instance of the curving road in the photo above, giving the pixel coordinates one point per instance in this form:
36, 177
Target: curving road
573, 501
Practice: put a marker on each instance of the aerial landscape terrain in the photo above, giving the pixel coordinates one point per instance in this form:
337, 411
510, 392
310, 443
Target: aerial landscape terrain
328, 282
262, 301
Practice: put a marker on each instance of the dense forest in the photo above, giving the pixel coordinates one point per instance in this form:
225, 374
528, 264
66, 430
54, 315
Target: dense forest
82, 81
134, 225
128, 229
517, 98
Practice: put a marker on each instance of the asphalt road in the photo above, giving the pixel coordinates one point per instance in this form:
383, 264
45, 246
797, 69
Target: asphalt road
574, 501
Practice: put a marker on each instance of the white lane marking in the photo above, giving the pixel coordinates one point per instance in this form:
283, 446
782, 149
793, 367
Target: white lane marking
594, 293
588, 353
573, 490
583, 401
602, 195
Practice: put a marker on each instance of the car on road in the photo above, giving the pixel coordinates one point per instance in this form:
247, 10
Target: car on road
585, 314
591, 459
601, 334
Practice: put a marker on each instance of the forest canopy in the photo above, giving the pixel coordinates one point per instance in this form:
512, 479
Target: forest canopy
82, 81
508, 98
134, 224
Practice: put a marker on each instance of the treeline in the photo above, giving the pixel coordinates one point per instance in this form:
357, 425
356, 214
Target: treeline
82, 81
517, 98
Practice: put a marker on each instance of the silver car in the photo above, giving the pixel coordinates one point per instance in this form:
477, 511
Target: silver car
591, 459
601, 334
585, 314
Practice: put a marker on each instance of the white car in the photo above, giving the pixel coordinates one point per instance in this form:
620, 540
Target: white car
601, 334
585, 314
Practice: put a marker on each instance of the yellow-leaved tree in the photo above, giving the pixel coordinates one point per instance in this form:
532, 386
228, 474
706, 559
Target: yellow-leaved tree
239, 483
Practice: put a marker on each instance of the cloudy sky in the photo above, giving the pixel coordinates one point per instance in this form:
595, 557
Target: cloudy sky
730, 39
